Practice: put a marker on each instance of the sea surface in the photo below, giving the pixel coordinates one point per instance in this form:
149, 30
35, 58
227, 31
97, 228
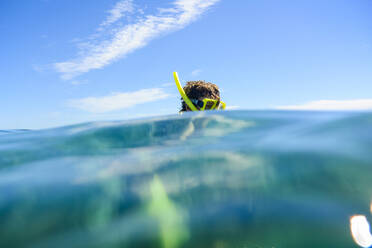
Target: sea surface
211, 179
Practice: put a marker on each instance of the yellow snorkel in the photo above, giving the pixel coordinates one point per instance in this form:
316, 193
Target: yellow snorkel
183, 94
191, 105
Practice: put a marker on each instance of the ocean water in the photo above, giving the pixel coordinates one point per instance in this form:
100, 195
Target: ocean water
212, 179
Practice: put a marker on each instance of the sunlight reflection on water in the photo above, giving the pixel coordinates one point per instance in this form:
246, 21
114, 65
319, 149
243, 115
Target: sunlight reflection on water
360, 230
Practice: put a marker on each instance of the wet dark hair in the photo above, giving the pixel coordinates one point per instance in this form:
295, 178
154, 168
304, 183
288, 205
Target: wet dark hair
199, 90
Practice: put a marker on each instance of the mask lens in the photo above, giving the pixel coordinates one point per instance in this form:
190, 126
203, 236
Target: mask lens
209, 104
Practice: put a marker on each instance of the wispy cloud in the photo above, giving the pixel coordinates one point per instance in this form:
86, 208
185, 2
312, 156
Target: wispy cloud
78, 82
196, 72
232, 107
357, 104
167, 85
38, 68
118, 101
131, 37
116, 13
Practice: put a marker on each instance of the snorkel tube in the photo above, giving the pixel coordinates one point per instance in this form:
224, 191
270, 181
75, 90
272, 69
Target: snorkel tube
183, 94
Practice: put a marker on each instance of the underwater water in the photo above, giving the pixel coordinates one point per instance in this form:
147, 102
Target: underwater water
212, 179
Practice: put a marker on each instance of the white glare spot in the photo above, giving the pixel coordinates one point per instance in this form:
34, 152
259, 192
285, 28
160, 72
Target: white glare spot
360, 231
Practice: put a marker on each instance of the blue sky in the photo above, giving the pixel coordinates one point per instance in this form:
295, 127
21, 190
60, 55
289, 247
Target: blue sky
67, 61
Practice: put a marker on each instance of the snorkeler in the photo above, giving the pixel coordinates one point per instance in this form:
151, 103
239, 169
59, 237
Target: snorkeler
199, 96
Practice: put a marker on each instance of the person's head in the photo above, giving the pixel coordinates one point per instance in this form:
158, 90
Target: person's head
199, 90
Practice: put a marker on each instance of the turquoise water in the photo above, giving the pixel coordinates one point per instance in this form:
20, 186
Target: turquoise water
216, 179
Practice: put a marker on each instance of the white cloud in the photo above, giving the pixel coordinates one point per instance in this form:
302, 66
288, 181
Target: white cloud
131, 37
38, 68
116, 13
78, 82
196, 72
357, 104
165, 85
118, 101
232, 107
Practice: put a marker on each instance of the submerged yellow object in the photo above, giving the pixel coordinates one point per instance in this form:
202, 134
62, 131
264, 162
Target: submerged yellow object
171, 218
